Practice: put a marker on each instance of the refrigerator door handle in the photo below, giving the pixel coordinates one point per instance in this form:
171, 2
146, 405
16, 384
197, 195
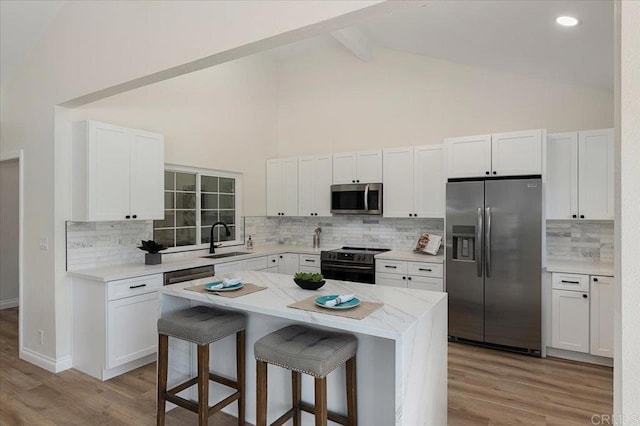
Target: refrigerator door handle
487, 243
478, 244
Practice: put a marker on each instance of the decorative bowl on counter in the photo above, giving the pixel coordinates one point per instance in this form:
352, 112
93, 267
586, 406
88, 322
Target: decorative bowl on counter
308, 284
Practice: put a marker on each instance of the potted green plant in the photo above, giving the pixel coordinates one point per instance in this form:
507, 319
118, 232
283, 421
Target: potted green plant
309, 280
153, 256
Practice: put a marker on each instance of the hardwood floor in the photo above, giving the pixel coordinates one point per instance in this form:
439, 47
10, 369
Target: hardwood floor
486, 387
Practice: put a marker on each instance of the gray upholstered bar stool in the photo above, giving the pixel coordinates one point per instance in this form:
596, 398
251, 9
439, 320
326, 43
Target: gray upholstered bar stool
201, 325
311, 351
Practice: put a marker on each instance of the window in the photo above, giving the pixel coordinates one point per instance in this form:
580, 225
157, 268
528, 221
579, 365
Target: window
193, 201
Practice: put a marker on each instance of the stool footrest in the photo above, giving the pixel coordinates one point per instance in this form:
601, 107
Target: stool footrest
178, 400
220, 405
283, 418
331, 415
183, 386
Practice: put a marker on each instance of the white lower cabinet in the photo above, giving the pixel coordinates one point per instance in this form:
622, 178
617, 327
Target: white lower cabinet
570, 324
131, 329
310, 263
602, 316
415, 275
288, 263
582, 313
114, 324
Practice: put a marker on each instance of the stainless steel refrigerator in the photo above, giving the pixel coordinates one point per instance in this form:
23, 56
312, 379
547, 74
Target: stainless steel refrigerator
494, 255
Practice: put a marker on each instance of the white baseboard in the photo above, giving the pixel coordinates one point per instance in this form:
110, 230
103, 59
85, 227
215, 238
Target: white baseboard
9, 303
46, 362
580, 357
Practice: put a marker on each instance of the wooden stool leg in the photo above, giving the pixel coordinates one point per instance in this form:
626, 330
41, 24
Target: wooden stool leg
240, 374
321, 401
352, 396
163, 364
203, 385
261, 393
296, 396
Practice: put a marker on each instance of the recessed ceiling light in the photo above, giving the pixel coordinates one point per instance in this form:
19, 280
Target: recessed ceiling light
567, 21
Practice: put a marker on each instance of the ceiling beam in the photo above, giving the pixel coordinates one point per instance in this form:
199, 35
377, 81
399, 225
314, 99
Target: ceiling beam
355, 42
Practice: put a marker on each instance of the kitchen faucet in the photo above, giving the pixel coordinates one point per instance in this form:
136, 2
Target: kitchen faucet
212, 247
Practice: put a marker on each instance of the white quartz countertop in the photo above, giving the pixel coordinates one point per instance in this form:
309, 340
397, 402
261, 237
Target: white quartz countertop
576, 267
402, 309
117, 272
411, 256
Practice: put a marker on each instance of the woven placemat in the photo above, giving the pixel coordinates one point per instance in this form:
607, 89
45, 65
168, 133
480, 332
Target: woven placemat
247, 288
359, 312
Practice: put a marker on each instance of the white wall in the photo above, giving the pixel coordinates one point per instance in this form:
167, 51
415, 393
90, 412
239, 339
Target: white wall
222, 118
627, 269
100, 47
9, 226
330, 101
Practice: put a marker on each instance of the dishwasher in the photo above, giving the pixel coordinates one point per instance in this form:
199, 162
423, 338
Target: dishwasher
189, 274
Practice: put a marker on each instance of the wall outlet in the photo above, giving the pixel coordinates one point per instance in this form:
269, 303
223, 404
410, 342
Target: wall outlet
44, 243
41, 337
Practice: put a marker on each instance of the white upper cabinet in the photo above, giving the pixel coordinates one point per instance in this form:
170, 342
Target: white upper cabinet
499, 154
282, 187
314, 185
117, 173
398, 182
595, 174
414, 182
516, 153
357, 167
468, 156
146, 153
562, 176
580, 175
429, 181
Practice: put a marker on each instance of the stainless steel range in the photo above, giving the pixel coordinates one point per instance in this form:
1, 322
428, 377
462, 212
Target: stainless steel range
350, 264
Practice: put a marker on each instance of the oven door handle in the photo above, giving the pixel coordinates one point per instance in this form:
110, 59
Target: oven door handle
333, 265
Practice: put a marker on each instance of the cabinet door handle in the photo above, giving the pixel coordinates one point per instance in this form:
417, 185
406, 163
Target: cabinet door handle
575, 216
584, 296
595, 280
404, 278
390, 266
310, 260
135, 216
409, 278
127, 217
137, 286
570, 282
424, 269
273, 260
581, 216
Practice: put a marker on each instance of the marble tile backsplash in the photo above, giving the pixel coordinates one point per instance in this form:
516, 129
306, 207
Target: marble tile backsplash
94, 244
360, 231
586, 241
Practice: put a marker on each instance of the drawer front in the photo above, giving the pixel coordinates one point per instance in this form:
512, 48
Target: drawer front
133, 286
391, 267
257, 264
310, 260
272, 260
424, 269
426, 283
574, 282
228, 267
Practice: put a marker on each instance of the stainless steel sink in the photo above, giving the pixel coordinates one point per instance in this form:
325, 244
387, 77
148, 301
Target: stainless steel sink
221, 255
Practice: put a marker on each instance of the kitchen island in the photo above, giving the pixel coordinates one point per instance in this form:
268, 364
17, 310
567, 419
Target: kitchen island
401, 358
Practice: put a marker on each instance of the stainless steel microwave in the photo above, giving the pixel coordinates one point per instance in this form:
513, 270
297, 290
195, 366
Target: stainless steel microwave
359, 198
